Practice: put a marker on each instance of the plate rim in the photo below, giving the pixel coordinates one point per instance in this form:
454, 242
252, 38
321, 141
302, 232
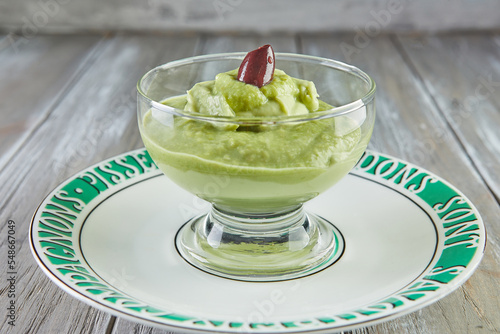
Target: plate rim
99, 304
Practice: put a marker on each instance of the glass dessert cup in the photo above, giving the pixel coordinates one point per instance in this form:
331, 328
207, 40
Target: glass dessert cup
257, 172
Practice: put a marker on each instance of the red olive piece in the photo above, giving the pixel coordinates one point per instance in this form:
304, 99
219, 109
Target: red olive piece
258, 66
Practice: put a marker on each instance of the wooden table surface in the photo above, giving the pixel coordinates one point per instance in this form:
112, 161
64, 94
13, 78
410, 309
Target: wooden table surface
68, 101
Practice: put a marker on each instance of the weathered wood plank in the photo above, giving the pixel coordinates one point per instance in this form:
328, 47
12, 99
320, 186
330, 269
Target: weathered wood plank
126, 326
95, 119
245, 43
35, 74
34, 16
462, 73
409, 125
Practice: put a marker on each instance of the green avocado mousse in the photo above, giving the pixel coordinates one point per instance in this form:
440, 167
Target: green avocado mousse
253, 163
257, 142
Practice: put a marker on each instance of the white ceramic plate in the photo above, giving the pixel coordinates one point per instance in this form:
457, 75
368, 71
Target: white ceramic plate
106, 236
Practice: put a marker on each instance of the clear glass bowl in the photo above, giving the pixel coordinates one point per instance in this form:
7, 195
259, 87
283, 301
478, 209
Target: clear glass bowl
257, 172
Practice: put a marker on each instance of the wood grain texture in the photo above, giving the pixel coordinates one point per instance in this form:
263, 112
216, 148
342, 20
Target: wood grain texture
96, 119
411, 126
245, 43
41, 16
35, 76
466, 90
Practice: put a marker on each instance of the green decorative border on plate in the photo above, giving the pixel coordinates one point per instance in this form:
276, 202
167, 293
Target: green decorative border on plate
56, 226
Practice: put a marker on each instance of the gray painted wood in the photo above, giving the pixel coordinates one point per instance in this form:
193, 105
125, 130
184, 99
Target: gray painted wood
95, 118
410, 125
280, 43
466, 90
35, 76
35, 16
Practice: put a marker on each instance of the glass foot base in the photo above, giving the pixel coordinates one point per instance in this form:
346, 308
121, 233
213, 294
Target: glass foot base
260, 248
